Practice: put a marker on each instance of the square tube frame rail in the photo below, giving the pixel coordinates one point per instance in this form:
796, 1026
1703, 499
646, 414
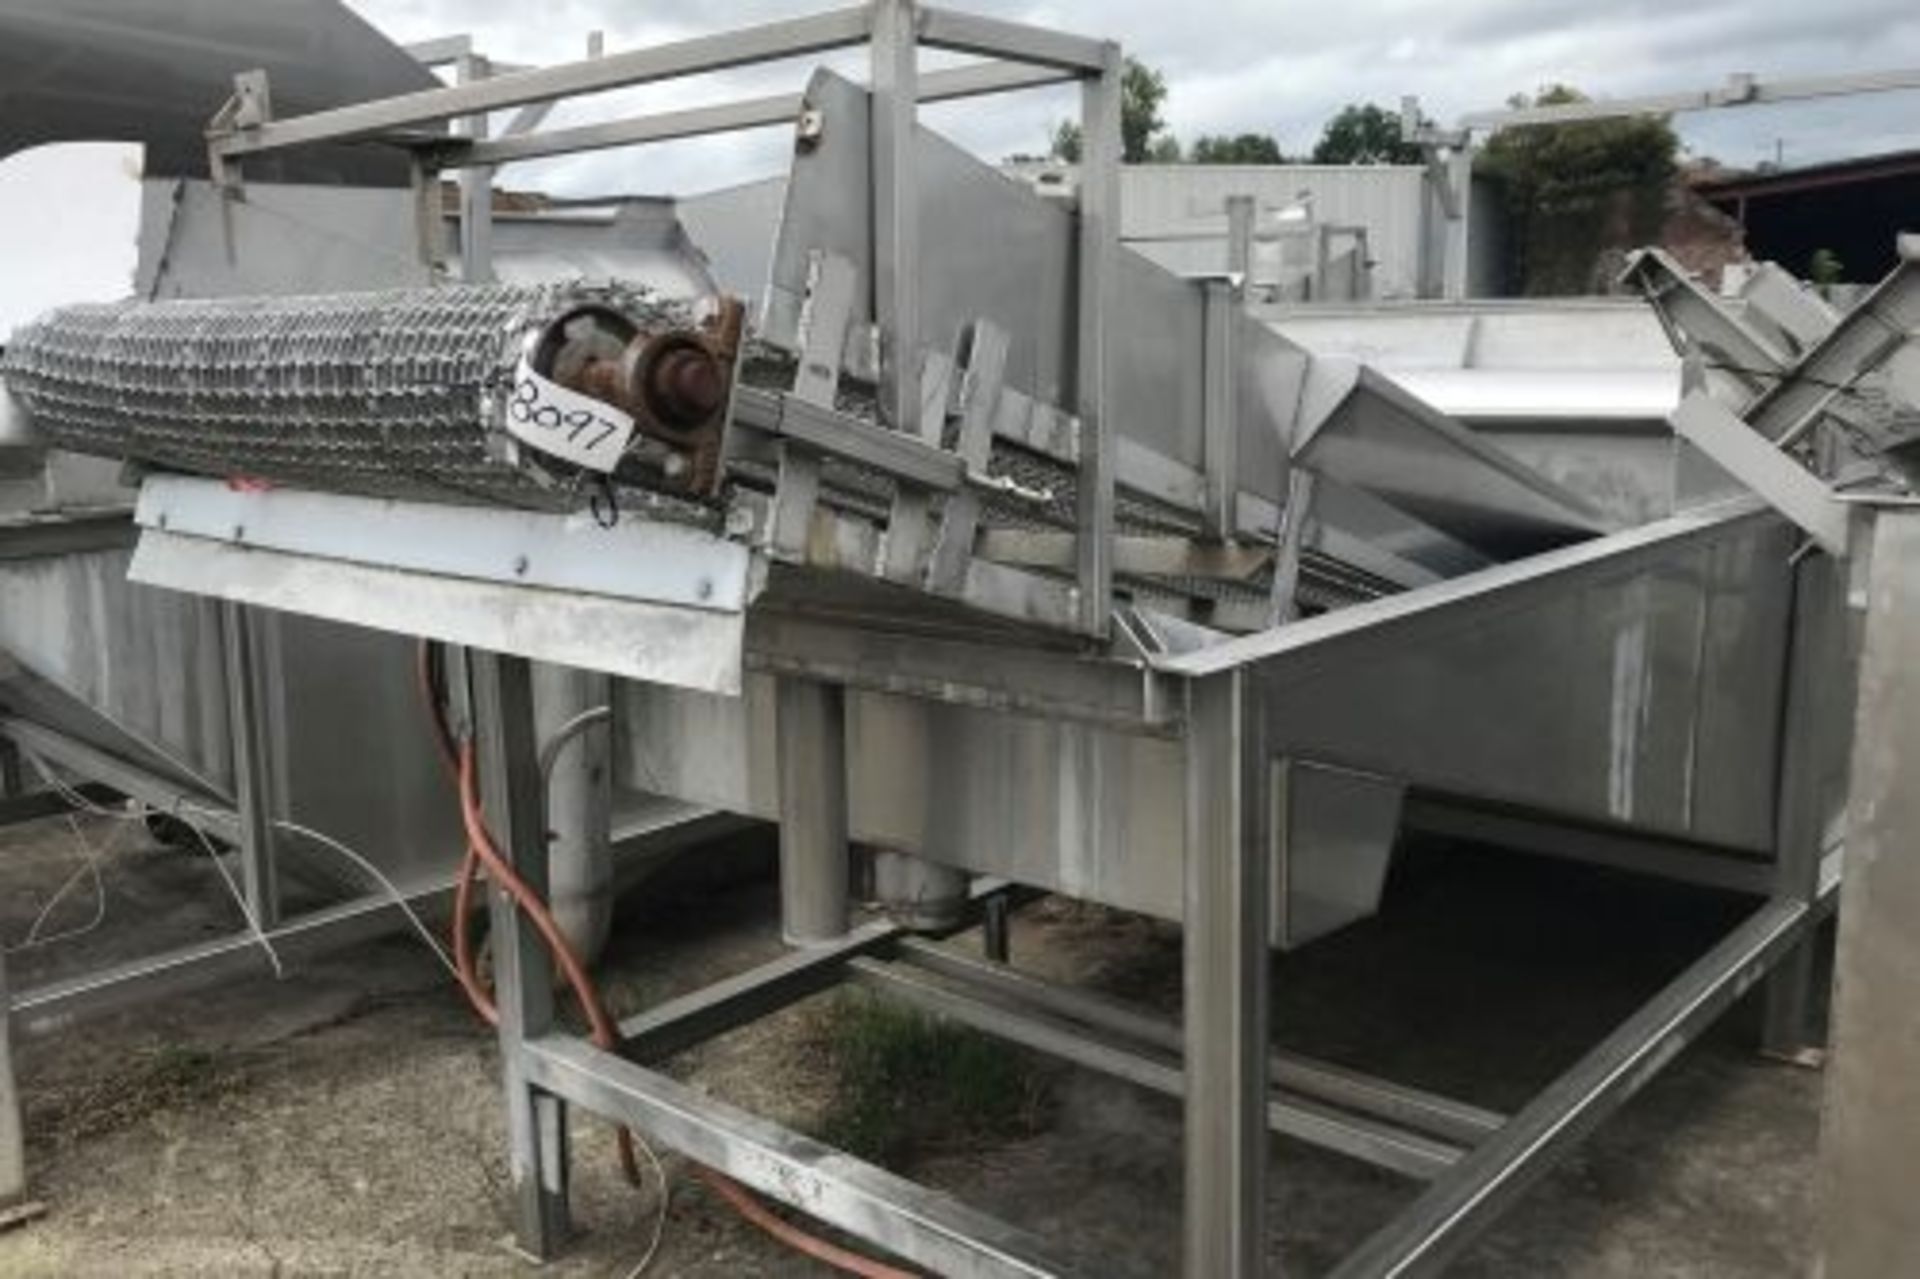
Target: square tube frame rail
1236, 1090
1019, 56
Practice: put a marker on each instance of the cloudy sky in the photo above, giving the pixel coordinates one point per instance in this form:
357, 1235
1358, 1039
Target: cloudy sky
1272, 66
1283, 68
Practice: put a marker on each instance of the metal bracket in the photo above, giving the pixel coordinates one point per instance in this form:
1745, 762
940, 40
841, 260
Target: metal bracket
250, 106
823, 334
979, 402
1757, 463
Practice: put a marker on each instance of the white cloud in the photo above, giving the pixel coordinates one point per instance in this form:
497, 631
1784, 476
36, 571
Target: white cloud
1231, 66
1235, 65
69, 218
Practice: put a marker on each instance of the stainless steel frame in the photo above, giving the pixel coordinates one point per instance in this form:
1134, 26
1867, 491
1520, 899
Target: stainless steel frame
1219, 1059
1176, 757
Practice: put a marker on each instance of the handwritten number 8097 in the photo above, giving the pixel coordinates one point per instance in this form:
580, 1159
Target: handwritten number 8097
528, 407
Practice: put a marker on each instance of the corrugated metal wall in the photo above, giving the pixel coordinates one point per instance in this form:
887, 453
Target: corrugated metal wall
1176, 213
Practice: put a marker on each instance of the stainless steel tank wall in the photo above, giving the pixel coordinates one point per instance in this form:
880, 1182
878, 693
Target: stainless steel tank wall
353, 752
1633, 681
150, 661
135, 669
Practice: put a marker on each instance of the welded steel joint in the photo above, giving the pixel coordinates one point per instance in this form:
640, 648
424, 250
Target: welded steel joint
676, 383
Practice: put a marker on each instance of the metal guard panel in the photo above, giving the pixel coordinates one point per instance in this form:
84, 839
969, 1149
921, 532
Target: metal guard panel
1373, 435
992, 249
661, 643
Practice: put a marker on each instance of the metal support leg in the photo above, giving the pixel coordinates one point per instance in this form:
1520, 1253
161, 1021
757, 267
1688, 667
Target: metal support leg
1456, 274
810, 730
476, 187
1220, 410
1871, 1125
1226, 963
249, 695
896, 221
13, 1154
1099, 237
522, 968
996, 929
1240, 219
1819, 699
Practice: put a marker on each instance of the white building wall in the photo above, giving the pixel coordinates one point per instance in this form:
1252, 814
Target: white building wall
1176, 213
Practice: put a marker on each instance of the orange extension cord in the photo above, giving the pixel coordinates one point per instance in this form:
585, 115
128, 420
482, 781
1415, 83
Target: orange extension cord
482, 851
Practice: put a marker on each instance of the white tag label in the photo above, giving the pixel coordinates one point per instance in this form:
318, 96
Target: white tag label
566, 423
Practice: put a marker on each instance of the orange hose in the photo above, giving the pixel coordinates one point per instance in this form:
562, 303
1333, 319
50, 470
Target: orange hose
481, 848
482, 851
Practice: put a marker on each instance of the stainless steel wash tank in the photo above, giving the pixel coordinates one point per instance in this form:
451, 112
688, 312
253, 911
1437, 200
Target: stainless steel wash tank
1036, 563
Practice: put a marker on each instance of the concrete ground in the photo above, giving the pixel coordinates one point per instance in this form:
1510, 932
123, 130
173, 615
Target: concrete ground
345, 1120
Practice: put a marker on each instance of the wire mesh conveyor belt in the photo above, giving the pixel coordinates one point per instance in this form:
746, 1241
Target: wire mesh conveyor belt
404, 393
398, 393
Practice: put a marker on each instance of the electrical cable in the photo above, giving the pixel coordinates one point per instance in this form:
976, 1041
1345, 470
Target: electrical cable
393, 892
60, 787
139, 813
659, 1216
240, 900
90, 859
484, 853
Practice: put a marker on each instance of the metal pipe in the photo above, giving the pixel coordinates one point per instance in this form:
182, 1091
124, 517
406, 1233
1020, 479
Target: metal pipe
919, 894
1739, 91
578, 790
810, 732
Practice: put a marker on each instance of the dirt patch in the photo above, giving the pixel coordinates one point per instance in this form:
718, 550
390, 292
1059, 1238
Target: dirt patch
347, 1120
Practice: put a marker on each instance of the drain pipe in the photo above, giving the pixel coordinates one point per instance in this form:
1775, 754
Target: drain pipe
917, 894
571, 716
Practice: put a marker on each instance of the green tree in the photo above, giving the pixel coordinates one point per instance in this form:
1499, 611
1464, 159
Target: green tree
1363, 133
1241, 148
1825, 268
1143, 136
1576, 193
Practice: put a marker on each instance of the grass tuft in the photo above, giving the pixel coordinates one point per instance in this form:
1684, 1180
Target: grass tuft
906, 1084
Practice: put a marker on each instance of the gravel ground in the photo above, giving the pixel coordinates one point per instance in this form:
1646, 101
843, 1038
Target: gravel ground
345, 1120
